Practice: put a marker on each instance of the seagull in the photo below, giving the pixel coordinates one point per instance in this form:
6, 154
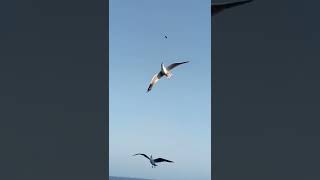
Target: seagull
154, 161
217, 8
165, 71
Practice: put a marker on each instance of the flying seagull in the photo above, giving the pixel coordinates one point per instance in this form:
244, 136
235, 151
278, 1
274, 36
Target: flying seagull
165, 71
154, 161
217, 8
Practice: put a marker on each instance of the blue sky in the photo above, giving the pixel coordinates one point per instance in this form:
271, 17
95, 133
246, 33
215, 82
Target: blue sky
173, 121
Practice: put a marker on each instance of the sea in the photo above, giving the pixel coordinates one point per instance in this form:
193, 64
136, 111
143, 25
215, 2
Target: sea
125, 178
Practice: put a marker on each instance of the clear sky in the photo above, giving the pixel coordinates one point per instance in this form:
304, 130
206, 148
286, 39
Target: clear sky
173, 121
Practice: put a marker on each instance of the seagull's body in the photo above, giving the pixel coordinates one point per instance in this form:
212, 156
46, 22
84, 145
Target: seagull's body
217, 8
165, 71
154, 161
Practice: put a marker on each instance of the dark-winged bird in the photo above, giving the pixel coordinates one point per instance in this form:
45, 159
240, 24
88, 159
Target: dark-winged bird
154, 161
217, 8
165, 71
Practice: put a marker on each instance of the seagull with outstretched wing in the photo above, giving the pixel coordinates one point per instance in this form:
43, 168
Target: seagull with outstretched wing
165, 71
154, 161
218, 7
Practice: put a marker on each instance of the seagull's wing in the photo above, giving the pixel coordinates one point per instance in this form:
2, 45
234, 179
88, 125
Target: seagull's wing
171, 66
216, 8
142, 155
154, 80
162, 160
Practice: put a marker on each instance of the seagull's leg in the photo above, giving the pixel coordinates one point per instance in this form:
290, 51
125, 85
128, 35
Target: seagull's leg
169, 75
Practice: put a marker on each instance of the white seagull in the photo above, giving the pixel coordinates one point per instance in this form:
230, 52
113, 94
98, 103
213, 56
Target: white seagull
154, 161
217, 8
165, 71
